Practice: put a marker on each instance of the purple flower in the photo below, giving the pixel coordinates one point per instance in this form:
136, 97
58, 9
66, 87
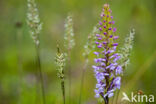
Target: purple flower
105, 33
110, 95
100, 23
114, 55
113, 22
102, 15
97, 35
109, 22
97, 42
117, 82
110, 10
110, 28
104, 43
99, 38
111, 36
99, 46
115, 44
112, 68
116, 58
109, 51
114, 29
103, 64
97, 60
118, 70
96, 53
100, 29
115, 37
107, 68
94, 67
97, 95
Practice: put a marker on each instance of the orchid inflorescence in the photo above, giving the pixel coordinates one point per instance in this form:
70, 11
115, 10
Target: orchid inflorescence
107, 70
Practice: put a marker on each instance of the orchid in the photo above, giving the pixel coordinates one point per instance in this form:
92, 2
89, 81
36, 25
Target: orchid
107, 69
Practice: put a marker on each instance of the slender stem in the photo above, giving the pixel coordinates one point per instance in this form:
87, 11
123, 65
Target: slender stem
20, 66
82, 78
63, 90
40, 76
118, 92
114, 98
69, 73
106, 100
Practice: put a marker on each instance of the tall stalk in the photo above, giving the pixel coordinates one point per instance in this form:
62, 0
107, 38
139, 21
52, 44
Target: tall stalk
60, 62
69, 73
125, 52
107, 70
19, 58
35, 26
40, 73
63, 89
87, 49
82, 79
69, 44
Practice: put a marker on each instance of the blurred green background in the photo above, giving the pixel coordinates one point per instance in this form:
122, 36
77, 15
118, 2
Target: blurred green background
17, 49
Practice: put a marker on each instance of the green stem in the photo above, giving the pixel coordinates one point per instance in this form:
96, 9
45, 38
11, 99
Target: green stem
82, 79
69, 73
63, 90
118, 92
20, 66
40, 74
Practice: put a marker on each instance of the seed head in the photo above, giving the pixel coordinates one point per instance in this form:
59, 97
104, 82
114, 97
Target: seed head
33, 21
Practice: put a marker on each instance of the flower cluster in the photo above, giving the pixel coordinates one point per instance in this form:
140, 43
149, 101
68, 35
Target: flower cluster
69, 34
107, 70
33, 21
90, 42
126, 49
60, 62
